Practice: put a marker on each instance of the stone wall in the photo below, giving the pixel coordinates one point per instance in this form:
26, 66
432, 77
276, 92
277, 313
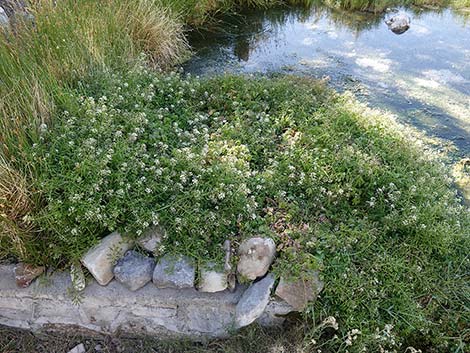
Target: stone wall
114, 308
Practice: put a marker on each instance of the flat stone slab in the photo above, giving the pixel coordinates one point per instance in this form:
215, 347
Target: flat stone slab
174, 272
134, 270
153, 311
100, 259
254, 301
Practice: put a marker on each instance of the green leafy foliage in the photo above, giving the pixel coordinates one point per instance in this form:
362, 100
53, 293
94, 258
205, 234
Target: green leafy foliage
97, 145
339, 188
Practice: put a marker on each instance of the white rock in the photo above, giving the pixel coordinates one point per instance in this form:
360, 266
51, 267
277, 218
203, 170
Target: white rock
100, 259
256, 255
78, 349
253, 302
151, 238
212, 281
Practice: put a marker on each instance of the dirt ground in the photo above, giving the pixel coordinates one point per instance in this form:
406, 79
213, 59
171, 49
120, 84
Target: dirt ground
250, 340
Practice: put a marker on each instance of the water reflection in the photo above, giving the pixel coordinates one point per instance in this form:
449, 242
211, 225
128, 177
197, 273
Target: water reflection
422, 75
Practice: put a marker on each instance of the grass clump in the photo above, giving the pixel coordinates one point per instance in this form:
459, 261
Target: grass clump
16, 203
67, 41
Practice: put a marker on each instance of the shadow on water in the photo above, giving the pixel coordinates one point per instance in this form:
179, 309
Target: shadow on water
422, 75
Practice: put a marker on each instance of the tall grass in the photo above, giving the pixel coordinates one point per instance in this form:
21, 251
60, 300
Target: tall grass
16, 202
68, 40
40, 60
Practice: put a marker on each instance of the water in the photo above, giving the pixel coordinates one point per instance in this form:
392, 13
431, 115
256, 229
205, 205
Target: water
422, 75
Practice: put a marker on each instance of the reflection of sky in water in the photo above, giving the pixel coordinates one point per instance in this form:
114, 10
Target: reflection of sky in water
423, 75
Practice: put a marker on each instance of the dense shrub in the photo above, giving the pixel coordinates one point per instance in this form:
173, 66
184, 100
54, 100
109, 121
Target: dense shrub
233, 157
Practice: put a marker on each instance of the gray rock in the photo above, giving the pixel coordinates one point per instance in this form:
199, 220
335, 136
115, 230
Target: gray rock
12, 12
274, 314
211, 280
300, 292
4, 20
228, 255
164, 313
134, 270
151, 238
253, 302
231, 281
100, 259
256, 255
78, 349
399, 23
172, 272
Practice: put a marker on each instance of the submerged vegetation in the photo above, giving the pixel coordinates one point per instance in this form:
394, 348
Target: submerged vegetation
95, 137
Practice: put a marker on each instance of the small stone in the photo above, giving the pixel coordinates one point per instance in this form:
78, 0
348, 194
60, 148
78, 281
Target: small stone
228, 255
151, 238
212, 281
399, 23
78, 277
300, 292
25, 274
78, 349
134, 270
253, 302
100, 259
274, 314
173, 272
232, 282
256, 255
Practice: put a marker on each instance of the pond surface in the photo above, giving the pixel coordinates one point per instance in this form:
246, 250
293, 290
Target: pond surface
423, 75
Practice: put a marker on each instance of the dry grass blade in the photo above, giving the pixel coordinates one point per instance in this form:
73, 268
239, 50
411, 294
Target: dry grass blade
155, 32
16, 205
